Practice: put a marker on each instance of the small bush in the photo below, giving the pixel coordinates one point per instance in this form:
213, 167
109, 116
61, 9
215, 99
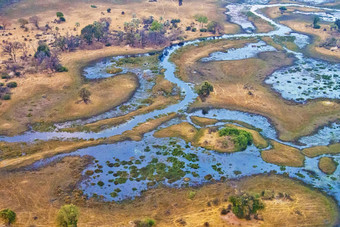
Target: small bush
194, 29
61, 68
6, 97
12, 84
62, 19
5, 76
109, 10
93, 6
203, 30
60, 14
8, 216
146, 223
192, 194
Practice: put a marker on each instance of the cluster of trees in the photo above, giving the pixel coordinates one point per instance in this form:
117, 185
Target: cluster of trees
213, 26
205, 89
245, 205
241, 138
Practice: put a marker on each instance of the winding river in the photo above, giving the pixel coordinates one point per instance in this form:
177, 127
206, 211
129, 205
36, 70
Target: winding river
125, 156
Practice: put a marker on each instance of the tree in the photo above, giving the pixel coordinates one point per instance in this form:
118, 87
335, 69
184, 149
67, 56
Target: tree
245, 205
337, 23
156, 26
8, 216
282, 9
68, 216
96, 30
60, 14
11, 49
85, 95
315, 22
109, 10
214, 27
22, 22
61, 17
43, 51
201, 19
35, 21
205, 89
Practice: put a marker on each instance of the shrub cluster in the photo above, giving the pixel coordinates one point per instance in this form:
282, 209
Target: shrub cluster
245, 205
241, 138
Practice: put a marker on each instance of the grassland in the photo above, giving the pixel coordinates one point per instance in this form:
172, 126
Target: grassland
283, 155
203, 121
327, 165
320, 150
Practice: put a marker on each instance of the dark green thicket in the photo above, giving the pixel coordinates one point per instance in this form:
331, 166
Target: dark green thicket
240, 137
245, 205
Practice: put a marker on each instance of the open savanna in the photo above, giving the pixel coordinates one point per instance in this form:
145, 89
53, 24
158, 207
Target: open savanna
37, 195
239, 85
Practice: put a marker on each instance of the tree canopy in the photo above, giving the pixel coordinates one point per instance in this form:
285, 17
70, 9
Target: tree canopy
8, 216
68, 216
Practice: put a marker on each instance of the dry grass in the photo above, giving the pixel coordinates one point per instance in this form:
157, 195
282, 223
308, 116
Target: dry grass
327, 165
203, 121
41, 193
183, 130
320, 150
283, 155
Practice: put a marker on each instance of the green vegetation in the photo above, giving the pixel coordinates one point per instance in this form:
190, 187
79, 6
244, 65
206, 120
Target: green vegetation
94, 31
12, 84
8, 216
245, 205
241, 138
315, 22
68, 216
282, 9
201, 19
205, 89
61, 17
85, 94
146, 223
42, 51
156, 26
